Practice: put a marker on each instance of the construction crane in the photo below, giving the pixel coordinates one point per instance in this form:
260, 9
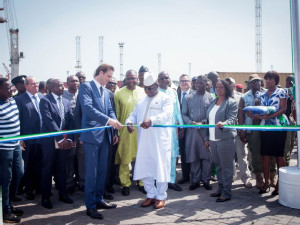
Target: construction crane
258, 35
12, 36
78, 55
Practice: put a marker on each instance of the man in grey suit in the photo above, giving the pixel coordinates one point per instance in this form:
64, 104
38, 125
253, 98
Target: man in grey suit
194, 112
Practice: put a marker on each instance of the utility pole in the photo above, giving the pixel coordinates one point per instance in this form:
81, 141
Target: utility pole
121, 45
100, 50
258, 35
78, 55
159, 63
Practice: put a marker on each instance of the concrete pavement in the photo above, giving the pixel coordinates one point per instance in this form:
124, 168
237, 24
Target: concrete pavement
186, 207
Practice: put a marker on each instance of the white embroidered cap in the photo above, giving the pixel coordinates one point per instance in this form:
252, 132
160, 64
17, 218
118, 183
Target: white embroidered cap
149, 79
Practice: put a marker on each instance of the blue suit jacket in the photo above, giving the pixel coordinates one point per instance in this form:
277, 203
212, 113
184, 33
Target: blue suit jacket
94, 114
51, 117
29, 116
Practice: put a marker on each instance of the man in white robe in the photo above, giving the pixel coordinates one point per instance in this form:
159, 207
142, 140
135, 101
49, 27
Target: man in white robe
153, 160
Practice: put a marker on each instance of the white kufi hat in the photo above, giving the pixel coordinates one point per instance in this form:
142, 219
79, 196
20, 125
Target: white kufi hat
149, 79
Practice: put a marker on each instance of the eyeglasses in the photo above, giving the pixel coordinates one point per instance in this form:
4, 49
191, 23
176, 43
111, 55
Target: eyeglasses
164, 78
150, 88
133, 78
185, 81
112, 83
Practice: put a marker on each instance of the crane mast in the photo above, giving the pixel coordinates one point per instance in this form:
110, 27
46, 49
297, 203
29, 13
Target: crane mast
13, 36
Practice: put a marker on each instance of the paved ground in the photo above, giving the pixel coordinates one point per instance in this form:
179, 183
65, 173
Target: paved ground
186, 207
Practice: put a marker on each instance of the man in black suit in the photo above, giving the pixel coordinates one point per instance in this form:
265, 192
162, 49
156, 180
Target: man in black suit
31, 122
185, 89
57, 116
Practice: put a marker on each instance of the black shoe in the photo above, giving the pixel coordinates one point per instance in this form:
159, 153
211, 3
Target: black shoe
16, 199
275, 192
94, 214
70, 190
142, 189
47, 204
65, 199
207, 186
29, 195
108, 196
193, 186
16, 211
105, 205
174, 187
11, 218
125, 191
221, 199
262, 191
215, 194
214, 178
110, 190
182, 181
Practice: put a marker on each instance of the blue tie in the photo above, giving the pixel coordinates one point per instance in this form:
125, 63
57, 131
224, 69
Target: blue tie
38, 108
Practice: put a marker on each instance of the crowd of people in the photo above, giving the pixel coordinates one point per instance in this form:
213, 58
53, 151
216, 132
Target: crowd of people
141, 144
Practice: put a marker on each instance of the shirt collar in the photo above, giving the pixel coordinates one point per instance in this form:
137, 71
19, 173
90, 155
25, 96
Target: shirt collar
187, 91
97, 84
56, 96
30, 95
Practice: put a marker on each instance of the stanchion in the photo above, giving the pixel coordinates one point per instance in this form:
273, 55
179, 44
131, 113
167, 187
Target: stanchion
289, 177
1, 215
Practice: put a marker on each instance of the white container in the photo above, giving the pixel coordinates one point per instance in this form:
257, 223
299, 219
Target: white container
289, 186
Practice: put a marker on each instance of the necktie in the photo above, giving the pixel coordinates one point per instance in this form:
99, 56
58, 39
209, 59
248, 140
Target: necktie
62, 111
102, 95
36, 103
38, 108
183, 98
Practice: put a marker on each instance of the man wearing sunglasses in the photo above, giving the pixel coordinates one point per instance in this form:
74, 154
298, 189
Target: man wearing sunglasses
153, 160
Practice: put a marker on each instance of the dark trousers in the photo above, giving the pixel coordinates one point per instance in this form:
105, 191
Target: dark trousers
111, 167
54, 162
33, 161
185, 167
96, 158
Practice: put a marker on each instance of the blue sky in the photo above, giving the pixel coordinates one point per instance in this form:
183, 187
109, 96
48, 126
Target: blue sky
210, 34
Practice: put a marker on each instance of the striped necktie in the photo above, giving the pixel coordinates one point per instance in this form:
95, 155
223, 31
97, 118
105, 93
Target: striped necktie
62, 111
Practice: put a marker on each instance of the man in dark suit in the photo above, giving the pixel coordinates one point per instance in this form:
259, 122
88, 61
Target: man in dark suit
185, 89
31, 122
57, 116
97, 112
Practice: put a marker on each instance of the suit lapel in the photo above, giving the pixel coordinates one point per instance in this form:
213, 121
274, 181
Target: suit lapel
54, 103
31, 103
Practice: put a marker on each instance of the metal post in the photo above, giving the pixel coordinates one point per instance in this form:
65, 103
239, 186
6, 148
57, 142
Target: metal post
190, 69
78, 55
121, 45
100, 50
159, 63
296, 65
